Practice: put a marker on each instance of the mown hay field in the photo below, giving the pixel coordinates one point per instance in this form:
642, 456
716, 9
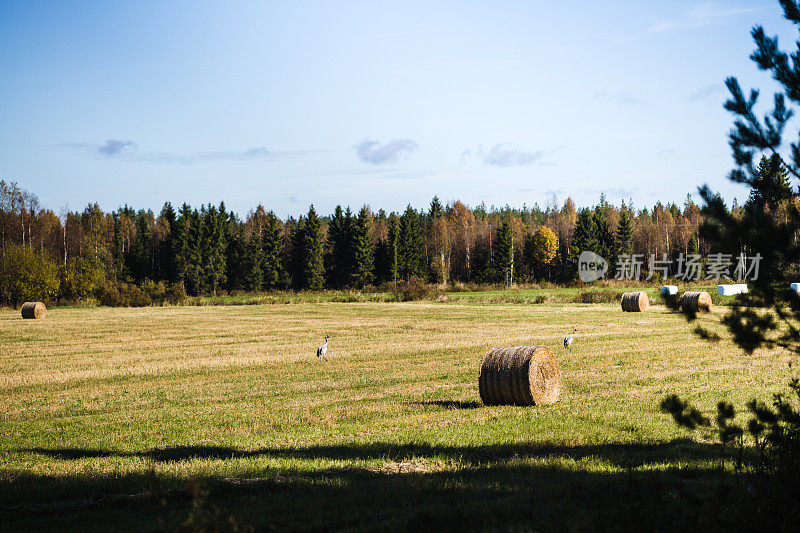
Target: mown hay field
155, 417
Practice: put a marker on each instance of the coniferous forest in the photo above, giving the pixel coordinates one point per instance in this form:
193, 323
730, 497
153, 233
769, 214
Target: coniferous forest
136, 256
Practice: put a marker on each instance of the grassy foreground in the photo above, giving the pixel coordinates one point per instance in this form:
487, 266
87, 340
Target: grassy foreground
151, 418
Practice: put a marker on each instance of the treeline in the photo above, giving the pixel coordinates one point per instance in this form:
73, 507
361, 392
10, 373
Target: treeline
133, 256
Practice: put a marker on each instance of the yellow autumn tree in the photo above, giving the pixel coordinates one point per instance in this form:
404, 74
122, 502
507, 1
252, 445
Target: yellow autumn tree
545, 245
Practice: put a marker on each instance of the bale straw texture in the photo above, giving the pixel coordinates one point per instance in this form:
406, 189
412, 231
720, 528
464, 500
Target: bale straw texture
520, 375
33, 310
633, 302
696, 301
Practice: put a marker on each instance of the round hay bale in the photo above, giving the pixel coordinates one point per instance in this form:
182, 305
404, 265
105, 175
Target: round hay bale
634, 302
519, 375
33, 310
669, 290
696, 301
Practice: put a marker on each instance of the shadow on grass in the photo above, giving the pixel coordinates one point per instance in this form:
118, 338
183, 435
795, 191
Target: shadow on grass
668, 485
616, 454
448, 404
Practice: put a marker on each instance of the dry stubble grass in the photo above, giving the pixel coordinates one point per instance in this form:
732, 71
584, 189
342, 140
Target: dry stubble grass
130, 401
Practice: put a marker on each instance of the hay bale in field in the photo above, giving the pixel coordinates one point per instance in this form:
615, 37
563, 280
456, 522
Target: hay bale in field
729, 290
696, 301
520, 375
669, 290
33, 310
633, 302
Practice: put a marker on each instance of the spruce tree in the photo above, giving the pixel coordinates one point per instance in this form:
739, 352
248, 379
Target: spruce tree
392, 241
364, 259
435, 271
606, 243
693, 247
166, 256
410, 250
503, 254
436, 208
213, 248
235, 259
340, 258
193, 257
308, 253
771, 184
481, 271
117, 254
625, 234
272, 252
584, 239
142, 248
253, 260
180, 241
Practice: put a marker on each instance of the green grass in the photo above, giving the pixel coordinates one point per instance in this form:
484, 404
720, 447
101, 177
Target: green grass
113, 418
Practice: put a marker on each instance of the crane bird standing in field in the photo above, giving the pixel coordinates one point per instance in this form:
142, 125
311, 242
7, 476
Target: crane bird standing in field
322, 350
569, 338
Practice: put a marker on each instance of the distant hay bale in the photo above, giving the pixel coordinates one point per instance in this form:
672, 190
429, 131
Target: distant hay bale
33, 310
634, 302
732, 289
669, 290
519, 375
696, 301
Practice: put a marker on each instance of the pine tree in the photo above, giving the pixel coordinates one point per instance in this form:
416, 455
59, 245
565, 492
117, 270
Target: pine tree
503, 254
272, 252
410, 250
363, 253
308, 253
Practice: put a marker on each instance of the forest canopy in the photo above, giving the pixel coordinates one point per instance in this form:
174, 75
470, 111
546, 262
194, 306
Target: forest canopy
115, 256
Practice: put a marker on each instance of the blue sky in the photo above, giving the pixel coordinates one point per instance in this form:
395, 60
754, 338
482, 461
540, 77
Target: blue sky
378, 103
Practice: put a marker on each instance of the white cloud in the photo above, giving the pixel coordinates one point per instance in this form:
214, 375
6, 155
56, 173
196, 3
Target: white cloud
374, 153
707, 14
127, 151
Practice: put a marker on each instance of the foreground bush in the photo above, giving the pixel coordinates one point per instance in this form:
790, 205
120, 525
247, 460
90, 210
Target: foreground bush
414, 289
121, 294
26, 275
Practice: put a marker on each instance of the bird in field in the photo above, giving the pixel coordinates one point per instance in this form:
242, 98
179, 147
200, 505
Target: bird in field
322, 350
569, 338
